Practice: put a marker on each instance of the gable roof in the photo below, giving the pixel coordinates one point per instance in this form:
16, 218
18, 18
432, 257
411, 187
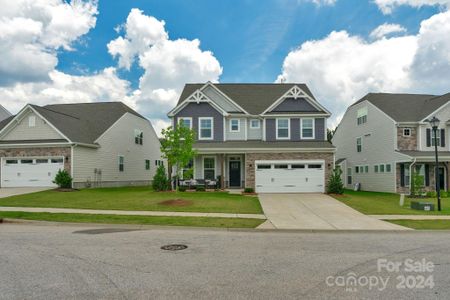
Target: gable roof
255, 98
4, 113
406, 107
82, 122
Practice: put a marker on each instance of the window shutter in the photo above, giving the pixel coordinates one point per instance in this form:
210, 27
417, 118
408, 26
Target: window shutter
442, 137
428, 137
427, 175
402, 175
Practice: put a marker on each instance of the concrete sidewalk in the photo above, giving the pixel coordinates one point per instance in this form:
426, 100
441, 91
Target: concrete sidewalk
410, 217
132, 212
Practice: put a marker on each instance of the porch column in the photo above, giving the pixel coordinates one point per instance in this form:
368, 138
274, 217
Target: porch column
222, 168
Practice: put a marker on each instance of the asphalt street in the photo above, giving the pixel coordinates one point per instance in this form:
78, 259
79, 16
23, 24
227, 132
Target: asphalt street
119, 262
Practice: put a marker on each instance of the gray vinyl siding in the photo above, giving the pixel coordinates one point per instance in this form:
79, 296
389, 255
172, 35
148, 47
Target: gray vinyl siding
119, 141
215, 96
319, 129
378, 147
41, 130
295, 105
254, 133
202, 109
235, 136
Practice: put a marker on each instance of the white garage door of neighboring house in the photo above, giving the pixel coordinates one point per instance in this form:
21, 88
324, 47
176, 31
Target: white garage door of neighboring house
293, 176
30, 171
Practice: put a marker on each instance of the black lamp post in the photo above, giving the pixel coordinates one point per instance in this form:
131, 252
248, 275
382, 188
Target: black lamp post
434, 122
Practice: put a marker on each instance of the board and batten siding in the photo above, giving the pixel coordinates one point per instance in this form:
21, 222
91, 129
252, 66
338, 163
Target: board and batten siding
378, 147
118, 141
41, 130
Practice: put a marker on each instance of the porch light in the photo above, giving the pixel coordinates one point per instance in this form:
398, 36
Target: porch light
434, 122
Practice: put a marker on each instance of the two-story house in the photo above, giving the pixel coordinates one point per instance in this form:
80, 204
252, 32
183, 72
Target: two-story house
271, 137
383, 138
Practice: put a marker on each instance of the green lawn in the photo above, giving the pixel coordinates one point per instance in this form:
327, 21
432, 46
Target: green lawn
142, 220
137, 198
374, 203
423, 224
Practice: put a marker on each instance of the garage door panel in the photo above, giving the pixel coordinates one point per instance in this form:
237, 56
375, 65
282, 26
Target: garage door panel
30, 172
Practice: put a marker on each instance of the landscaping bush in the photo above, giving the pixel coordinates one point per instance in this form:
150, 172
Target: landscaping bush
182, 189
63, 179
249, 190
160, 180
200, 188
431, 194
417, 185
335, 185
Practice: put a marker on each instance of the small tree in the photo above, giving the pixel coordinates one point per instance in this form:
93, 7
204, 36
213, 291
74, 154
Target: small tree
63, 179
417, 188
176, 147
160, 181
335, 185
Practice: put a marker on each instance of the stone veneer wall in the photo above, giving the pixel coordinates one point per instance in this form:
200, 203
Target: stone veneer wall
251, 157
407, 142
431, 187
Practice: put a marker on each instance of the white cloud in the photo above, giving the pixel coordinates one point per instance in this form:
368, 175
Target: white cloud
31, 31
386, 6
386, 29
342, 68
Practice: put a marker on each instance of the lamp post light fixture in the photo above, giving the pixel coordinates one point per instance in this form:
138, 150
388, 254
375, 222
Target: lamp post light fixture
434, 122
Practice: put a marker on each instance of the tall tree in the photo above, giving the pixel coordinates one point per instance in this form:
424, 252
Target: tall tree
330, 134
177, 148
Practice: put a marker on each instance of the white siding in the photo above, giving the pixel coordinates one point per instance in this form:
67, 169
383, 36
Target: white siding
378, 147
119, 140
41, 130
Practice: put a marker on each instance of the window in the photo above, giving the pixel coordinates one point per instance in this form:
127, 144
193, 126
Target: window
406, 131
283, 129
138, 137
349, 175
147, 164
254, 124
205, 128
262, 167
31, 121
297, 166
361, 116
381, 168
420, 169
234, 125
187, 122
11, 161
375, 168
209, 170
314, 166
358, 144
41, 161
366, 169
388, 168
121, 163
57, 160
357, 169
406, 177
281, 166
26, 161
159, 162
438, 137
307, 128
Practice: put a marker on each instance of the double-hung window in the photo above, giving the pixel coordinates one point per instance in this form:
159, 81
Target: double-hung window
361, 116
209, 170
254, 124
438, 137
205, 128
147, 164
234, 125
283, 129
138, 137
358, 144
307, 128
185, 122
121, 163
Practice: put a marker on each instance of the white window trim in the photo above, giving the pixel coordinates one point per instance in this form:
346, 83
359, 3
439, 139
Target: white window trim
257, 127
288, 128
200, 128
118, 162
185, 118
239, 125
409, 132
313, 129
360, 138
203, 166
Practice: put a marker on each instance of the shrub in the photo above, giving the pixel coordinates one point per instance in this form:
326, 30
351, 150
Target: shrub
417, 184
200, 188
431, 194
249, 190
63, 179
160, 181
335, 185
182, 188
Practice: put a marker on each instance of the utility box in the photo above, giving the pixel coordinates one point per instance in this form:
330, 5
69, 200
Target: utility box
426, 206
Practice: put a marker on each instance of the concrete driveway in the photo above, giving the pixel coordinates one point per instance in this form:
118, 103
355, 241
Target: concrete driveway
6, 192
316, 211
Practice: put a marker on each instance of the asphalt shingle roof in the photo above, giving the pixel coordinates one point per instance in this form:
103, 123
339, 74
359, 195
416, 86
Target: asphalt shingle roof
406, 107
253, 97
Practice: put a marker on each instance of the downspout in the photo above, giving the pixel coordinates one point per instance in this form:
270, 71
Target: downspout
410, 174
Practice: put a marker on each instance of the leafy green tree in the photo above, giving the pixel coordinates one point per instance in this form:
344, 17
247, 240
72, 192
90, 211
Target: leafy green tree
160, 181
177, 147
335, 185
417, 184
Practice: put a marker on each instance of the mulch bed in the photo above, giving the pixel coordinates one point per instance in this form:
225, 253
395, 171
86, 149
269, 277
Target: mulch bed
176, 202
66, 190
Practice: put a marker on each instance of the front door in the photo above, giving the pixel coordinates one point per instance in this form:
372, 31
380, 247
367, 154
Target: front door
235, 173
441, 178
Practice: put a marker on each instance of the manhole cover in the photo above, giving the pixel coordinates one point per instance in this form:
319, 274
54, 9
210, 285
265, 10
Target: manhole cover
174, 247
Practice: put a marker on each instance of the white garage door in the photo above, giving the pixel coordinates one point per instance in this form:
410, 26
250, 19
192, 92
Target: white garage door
30, 171
299, 176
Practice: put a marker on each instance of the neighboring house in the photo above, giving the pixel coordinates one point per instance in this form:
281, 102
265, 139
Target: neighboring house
4, 113
271, 137
99, 144
383, 138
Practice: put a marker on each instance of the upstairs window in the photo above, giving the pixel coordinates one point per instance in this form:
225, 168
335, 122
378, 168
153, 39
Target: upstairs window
307, 128
147, 164
406, 131
358, 144
138, 137
121, 163
438, 138
361, 116
234, 125
186, 122
31, 121
283, 129
254, 124
205, 128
